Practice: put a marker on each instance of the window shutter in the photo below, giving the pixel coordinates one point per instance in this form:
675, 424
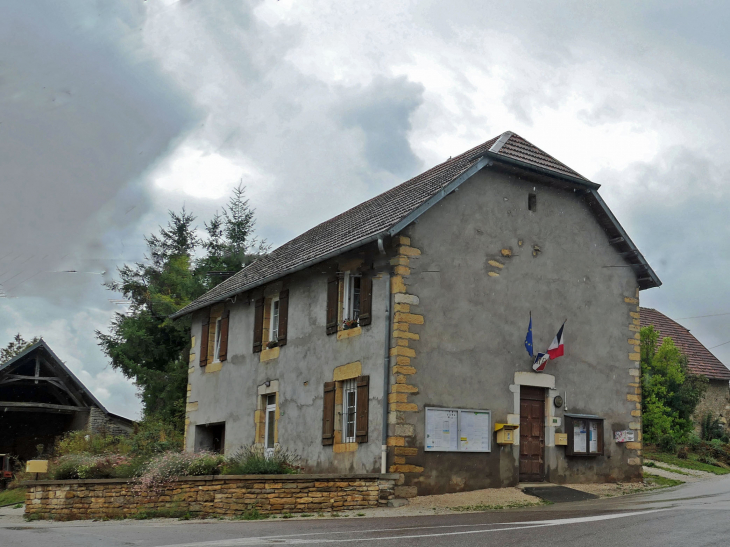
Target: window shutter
204, 342
283, 315
258, 324
223, 350
366, 300
333, 294
328, 418
363, 402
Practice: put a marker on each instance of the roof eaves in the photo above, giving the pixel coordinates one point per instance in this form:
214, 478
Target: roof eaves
642, 261
299, 267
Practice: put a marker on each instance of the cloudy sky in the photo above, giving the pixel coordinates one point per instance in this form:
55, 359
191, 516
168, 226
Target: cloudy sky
111, 113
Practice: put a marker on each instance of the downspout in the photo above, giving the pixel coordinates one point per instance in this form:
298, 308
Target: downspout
386, 368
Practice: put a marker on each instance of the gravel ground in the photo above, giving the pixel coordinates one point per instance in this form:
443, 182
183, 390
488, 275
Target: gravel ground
684, 475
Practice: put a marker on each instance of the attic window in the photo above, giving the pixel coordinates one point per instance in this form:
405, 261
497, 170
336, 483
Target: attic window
532, 202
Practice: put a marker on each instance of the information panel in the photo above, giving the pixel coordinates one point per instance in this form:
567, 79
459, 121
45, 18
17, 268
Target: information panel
458, 430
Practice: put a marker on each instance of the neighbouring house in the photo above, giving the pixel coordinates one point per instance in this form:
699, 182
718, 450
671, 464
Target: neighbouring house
699, 361
41, 399
392, 337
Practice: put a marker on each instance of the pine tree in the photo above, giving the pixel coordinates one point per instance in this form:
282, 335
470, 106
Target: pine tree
16, 346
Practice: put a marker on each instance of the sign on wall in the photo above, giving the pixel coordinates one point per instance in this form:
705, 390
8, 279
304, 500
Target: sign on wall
625, 436
458, 430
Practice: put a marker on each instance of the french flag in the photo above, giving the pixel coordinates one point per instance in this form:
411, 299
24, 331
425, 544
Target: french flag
557, 348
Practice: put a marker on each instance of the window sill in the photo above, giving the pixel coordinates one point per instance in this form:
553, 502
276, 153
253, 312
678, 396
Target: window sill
269, 354
349, 333
214, 367
344, 447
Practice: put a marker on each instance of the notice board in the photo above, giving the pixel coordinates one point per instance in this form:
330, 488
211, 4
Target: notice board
458, 430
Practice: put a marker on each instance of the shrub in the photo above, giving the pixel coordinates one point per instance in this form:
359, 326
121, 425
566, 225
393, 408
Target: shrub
153, 436
711, 427
694, 441
165, 468
86, 466
252, 460
667, 444
80, 442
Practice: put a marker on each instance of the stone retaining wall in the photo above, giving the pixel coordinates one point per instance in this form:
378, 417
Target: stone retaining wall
208, 496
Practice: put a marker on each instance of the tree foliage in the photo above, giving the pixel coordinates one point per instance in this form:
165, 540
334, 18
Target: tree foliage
16, 346
144, 343
670, 392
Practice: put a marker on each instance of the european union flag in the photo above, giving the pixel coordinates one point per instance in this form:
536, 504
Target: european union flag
528, 338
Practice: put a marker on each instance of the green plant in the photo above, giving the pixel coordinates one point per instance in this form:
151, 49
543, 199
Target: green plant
251, 513
694, 441
711, 427
253, 460
361, 514
305, 515
286, 515
667, 443
18, 506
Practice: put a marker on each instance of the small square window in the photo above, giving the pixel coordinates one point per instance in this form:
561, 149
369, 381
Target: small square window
532, 202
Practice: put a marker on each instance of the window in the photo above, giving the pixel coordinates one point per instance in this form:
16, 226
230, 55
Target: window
532, 202
458, 430
274, 325
210, 437
270, 424
351, 300
585, 435
349, 411
217, 350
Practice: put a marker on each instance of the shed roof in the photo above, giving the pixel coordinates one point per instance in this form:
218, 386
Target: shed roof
699, 359
390, 212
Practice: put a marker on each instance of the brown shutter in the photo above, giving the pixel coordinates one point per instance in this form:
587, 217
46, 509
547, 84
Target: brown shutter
366, 300
258, 325
363, 402
223, 350
571, 440
283, 316
333, 296
204, 342
328, 418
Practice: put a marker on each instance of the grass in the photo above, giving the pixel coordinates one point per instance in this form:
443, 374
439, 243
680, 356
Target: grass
690, 463
481, 507
252, 513
656, 480
12, 497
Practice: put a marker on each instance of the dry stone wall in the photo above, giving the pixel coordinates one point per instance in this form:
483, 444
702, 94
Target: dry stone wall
208, 496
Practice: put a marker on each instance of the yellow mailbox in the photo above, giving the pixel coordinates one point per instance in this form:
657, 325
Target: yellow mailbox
505, 433
561, 439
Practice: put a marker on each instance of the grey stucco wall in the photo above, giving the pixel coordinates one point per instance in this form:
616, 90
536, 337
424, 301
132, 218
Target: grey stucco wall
303, 366
471, 344
715, 401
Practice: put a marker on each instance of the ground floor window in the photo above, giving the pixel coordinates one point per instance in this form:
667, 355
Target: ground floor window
270, 423
349, 408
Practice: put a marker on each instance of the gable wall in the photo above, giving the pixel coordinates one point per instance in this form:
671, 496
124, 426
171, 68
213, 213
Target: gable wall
476, 304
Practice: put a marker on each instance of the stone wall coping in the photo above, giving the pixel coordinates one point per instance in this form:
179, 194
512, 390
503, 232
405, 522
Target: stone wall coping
259, 478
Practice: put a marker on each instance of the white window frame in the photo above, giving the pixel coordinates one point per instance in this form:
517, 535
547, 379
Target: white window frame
269, 408
217, 340
348, 300
348, 387
274, 332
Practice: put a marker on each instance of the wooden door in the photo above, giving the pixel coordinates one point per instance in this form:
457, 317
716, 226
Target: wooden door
532, 434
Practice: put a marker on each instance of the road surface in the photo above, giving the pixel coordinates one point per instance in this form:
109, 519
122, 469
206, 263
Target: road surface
689, 515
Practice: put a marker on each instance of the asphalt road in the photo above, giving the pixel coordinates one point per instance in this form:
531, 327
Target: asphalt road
690, 515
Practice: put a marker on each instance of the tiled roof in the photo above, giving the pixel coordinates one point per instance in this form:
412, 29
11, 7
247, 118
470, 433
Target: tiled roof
376, 216
699, 358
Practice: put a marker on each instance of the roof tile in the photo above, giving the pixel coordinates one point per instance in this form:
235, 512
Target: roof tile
699, 359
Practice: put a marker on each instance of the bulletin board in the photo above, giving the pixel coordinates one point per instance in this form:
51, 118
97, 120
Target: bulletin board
458, 430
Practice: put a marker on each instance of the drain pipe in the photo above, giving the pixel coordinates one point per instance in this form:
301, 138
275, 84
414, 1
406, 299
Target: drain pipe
386, 379
386, 368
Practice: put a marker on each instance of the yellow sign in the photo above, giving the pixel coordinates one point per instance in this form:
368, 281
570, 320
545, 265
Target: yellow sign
36, 466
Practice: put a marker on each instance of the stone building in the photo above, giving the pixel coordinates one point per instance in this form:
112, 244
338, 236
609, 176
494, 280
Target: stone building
392, 337
699, 361
41, 399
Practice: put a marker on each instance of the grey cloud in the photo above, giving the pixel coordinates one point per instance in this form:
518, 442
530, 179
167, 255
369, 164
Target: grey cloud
382, 111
